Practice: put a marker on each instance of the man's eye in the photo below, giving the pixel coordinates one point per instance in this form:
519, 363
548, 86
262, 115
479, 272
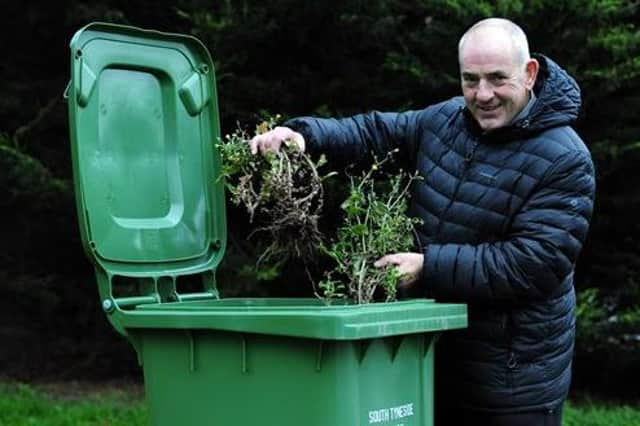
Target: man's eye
470, 80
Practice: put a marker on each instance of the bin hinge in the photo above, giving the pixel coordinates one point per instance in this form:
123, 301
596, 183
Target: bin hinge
110, 304
206, 295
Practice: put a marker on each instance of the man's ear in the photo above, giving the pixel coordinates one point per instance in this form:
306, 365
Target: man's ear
531, 73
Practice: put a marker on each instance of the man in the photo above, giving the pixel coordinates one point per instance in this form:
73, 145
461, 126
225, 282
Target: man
506, 198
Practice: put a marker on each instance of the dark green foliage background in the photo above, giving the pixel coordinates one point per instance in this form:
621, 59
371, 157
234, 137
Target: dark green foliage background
300, 57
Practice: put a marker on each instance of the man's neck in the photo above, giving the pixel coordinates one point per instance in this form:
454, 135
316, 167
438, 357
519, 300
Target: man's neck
527, 108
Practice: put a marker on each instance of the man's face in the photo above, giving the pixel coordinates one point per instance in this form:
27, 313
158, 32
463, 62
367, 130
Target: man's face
495, 82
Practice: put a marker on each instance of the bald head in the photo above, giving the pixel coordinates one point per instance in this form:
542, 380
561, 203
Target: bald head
497, 30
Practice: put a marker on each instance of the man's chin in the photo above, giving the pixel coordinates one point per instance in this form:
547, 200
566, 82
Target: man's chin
489, 124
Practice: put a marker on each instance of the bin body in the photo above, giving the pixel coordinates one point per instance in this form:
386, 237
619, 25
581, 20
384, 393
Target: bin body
226, 378
291, 362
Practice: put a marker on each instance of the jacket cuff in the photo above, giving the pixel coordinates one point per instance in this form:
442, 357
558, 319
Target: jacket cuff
427, 268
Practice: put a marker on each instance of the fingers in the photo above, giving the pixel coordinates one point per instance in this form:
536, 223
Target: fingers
399, 261
390, 259
253, 144
409, 265
269, 141
272, 140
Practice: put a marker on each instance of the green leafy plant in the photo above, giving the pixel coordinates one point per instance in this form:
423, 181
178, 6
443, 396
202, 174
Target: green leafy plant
375, 224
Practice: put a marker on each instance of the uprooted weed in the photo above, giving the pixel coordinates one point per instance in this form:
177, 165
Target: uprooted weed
282, 192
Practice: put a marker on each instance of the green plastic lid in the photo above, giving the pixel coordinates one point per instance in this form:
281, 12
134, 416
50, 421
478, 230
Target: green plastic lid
144, 124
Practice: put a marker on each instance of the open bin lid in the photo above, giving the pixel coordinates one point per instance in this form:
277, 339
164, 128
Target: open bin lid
144, 123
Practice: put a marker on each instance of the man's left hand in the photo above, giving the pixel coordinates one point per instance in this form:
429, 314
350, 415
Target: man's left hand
409, 266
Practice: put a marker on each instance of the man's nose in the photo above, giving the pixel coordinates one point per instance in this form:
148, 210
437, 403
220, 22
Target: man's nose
484, 92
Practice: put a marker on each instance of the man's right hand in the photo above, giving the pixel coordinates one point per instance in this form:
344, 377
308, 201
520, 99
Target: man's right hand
272, 140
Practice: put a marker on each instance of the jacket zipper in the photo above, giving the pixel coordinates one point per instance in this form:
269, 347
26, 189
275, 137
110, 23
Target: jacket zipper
468, 159
512, 360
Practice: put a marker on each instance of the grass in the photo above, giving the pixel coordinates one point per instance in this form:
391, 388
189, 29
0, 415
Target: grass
73, 404
588, 412
60, 405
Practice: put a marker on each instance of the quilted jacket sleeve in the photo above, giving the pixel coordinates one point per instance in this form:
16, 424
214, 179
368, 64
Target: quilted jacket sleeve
357, 139
539, 253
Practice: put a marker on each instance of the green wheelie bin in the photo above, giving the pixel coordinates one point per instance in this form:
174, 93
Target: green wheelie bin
144, 123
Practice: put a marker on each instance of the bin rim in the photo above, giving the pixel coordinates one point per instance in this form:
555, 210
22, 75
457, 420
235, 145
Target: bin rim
297, 318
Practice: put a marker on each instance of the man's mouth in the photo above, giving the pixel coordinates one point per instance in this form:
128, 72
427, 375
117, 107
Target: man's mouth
488, 108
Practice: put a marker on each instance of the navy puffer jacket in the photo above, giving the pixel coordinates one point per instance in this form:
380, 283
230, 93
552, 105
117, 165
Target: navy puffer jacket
505, 216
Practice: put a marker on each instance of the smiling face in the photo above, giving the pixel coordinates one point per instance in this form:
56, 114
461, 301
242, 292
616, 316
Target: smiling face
495, 77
